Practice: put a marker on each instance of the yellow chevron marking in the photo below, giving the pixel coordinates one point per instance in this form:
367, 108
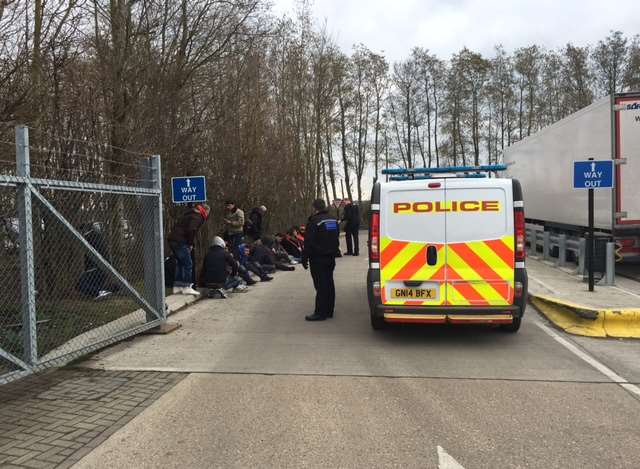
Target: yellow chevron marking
384, 242
487, 254
427, 271
401, 259
472, 278
509, 241
455, 298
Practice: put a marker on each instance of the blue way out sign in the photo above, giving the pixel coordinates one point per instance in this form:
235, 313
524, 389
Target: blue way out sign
593, 174
188, 189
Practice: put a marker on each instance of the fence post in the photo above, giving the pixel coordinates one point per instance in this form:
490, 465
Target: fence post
546, 245
611, 264
27, 271
582, 254
562, 250
533, 242
154, 239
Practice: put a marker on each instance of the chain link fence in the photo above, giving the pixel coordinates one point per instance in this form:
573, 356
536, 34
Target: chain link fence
81, 262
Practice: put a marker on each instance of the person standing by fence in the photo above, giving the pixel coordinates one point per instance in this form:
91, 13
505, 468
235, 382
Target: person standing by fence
181, 241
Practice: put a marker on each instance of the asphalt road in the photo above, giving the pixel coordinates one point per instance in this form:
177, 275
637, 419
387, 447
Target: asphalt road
268, 389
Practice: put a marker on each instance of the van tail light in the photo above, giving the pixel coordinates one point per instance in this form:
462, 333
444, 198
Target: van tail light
518, 290
519, 223
376, 289
374, 246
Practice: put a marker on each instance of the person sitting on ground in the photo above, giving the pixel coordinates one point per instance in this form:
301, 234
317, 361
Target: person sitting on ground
281, 252
181, 241
244, 252
264, 255
301, 230
220, 269
243, 272
292, 244
254, 225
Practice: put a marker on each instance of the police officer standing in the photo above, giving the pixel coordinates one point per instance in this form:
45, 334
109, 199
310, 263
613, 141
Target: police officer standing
351, 216
321, 246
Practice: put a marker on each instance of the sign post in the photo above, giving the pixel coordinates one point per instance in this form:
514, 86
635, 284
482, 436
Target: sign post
188, 189
592, 175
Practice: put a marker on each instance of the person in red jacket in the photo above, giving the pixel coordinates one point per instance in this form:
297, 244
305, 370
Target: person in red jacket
181, 241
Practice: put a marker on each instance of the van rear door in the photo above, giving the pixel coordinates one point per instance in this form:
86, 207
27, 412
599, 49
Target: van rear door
480, 242
412, 243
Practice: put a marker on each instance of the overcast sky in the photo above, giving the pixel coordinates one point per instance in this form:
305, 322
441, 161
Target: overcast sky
445, 26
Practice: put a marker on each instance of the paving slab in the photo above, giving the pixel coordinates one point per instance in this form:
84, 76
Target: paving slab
549, 280
54, 419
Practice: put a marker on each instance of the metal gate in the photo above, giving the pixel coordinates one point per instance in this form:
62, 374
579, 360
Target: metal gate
81, 263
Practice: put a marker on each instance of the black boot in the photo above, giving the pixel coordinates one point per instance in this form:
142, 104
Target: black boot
315, 317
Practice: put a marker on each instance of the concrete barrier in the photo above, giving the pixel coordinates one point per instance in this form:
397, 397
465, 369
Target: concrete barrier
586, 321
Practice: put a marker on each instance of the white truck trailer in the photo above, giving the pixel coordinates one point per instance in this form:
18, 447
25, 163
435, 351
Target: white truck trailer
607, 129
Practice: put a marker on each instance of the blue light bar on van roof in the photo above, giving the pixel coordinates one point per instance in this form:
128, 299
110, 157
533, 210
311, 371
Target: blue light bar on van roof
422, 178
453, 169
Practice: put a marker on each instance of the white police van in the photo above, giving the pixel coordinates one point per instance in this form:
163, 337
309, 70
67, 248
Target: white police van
447, 245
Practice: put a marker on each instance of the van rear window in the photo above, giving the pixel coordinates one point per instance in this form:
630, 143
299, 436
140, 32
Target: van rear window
414, 215
478, 214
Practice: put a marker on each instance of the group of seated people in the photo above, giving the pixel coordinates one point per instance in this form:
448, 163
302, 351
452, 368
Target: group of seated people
224, 270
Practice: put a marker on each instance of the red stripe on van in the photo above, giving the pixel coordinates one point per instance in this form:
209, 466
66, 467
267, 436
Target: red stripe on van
391, 251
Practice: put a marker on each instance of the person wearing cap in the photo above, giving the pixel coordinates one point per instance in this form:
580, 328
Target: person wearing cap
220, 269
321, 245
254, 226
234, 225
181, 240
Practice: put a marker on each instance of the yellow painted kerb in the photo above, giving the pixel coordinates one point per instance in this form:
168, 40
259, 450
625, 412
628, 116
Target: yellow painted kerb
623, 323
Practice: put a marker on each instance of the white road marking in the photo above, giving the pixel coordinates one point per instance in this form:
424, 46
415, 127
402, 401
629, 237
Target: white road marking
626, 291
605, 370
531, 277
445, 461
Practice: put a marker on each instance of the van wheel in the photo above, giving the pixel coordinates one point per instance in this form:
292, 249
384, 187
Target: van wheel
377, 323
513, 327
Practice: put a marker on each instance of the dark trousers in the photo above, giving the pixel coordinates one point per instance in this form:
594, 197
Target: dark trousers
322, 274
184, 264
235, 240
353, 245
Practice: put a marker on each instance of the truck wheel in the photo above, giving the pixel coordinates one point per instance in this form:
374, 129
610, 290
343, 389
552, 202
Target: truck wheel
377, 323
513, 327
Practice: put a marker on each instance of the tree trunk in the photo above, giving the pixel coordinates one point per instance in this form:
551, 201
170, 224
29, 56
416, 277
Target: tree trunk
343, 134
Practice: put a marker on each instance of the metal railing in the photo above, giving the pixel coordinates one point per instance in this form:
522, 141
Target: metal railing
548, 242
81, 263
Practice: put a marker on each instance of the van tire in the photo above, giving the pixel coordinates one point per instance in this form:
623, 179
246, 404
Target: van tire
377, 323
513, 327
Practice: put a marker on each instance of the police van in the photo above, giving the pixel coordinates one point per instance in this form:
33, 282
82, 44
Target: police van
447, 245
